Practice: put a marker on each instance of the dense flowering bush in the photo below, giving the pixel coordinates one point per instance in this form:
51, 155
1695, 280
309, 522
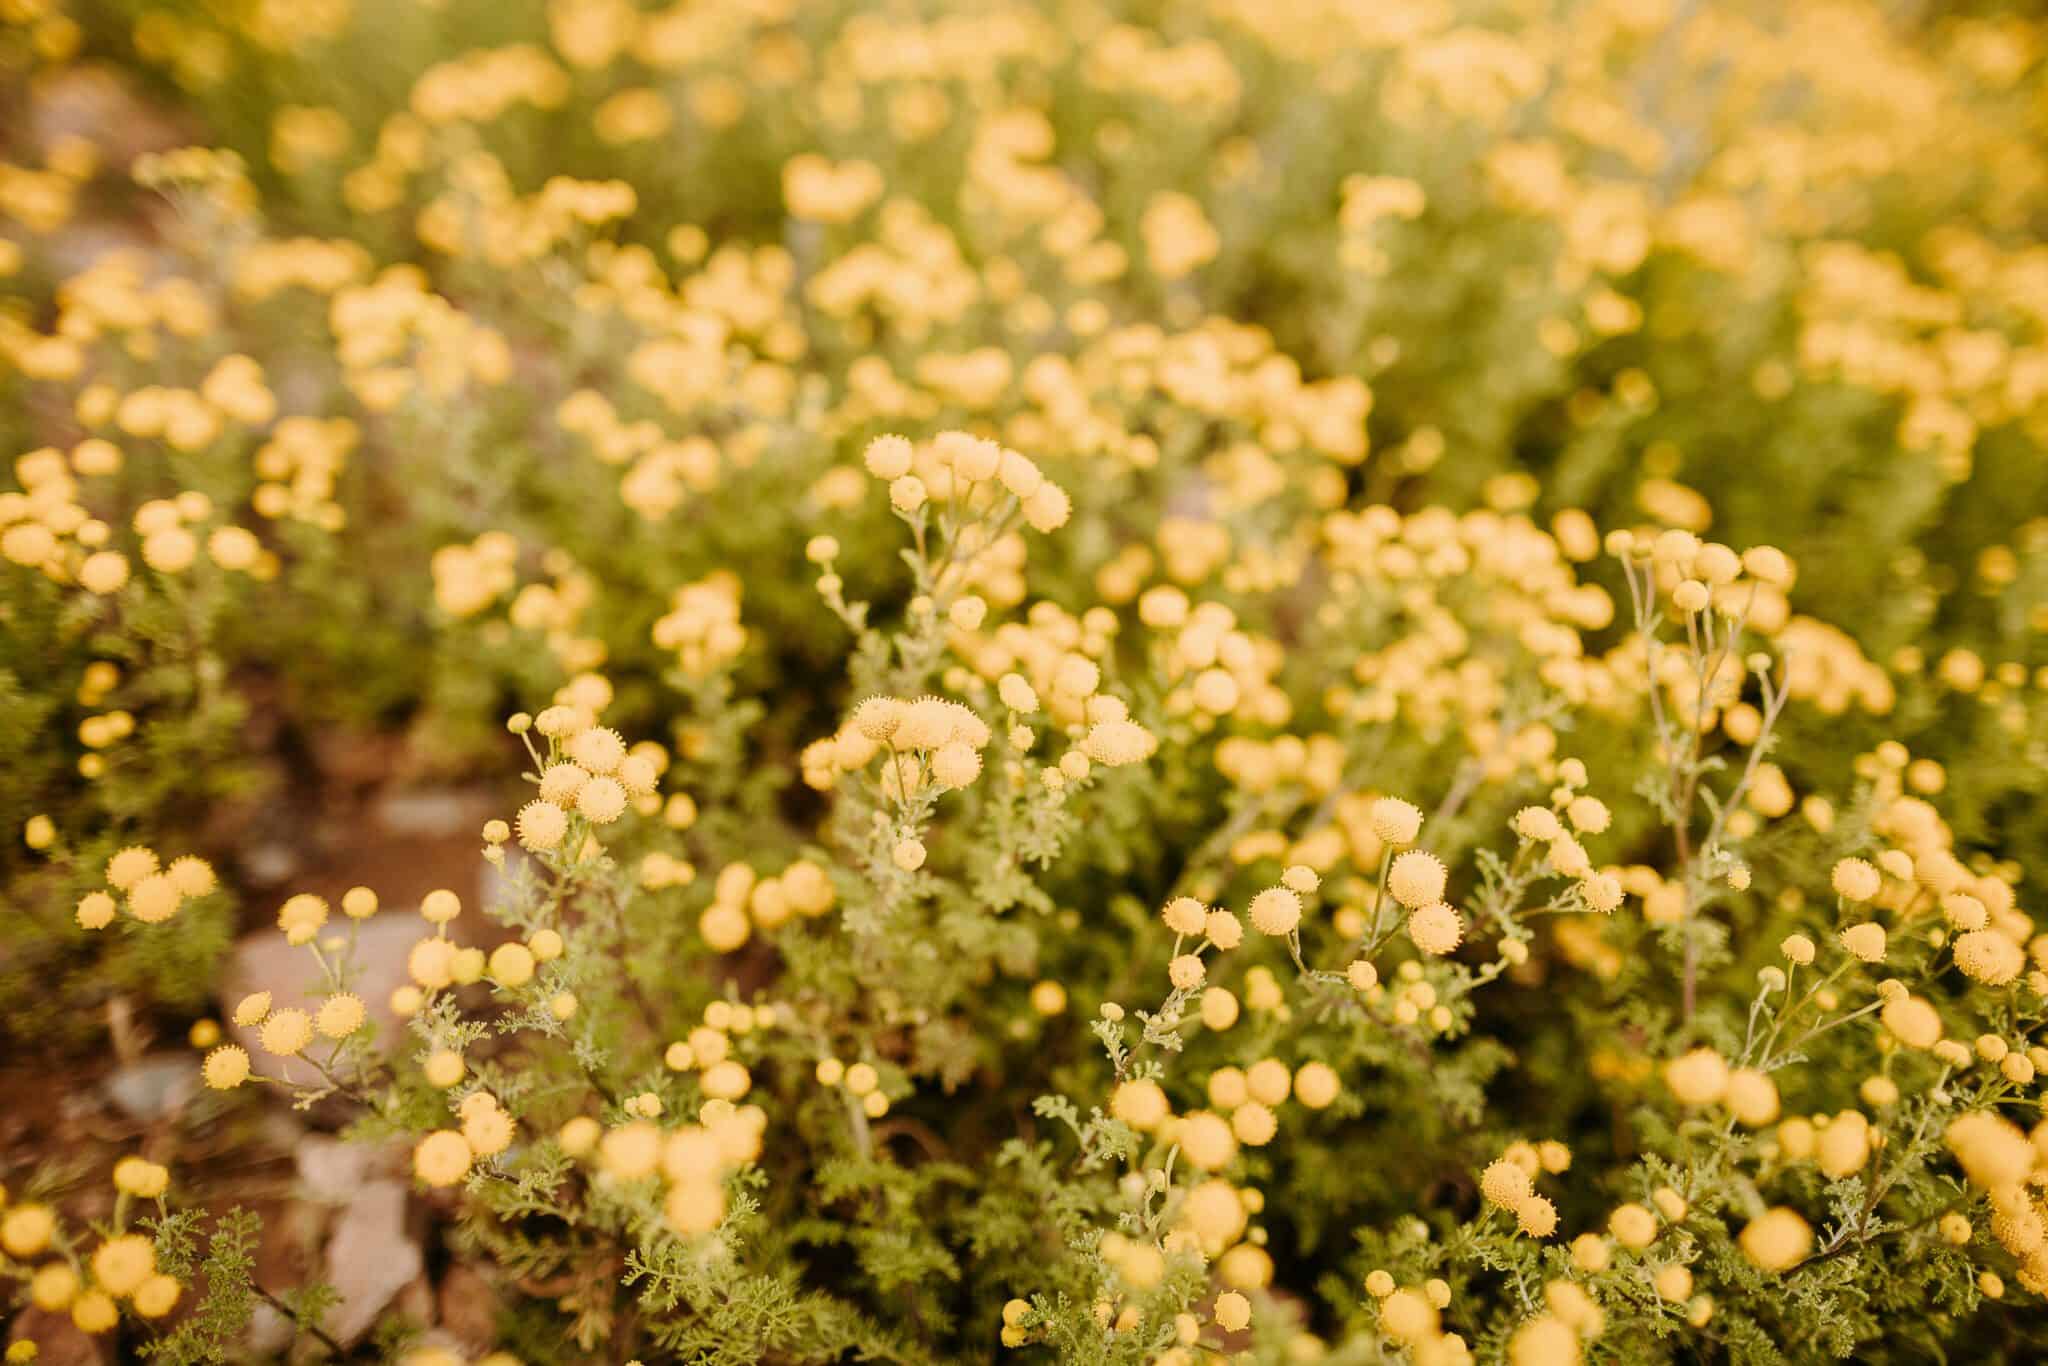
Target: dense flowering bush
1287, 682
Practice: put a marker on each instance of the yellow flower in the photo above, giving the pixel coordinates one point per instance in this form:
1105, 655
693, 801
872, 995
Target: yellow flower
1699, 1077
441, 1158
226, 1067
54, 1286
1436, 929
1275, 911
121, 1264
1416, 879
156, 1296
287, 1032
25, 1230
340, 1016
1505, 1184
301, 917
512, 965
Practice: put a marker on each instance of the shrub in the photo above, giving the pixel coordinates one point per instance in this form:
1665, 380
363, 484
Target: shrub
1302, 681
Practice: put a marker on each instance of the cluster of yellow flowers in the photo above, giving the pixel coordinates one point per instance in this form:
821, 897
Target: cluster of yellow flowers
45, 527
122, 1267
587, 774
150, 890
598, 324
703, 626
688, 1161
743, 901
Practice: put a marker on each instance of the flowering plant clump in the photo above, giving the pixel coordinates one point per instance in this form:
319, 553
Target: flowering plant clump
1276, 683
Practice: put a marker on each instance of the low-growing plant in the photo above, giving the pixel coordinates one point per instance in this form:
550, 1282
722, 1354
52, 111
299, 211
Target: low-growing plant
1263, 682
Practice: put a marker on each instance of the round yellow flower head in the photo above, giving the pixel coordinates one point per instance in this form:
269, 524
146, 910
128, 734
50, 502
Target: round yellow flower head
1855, 880
601, 800
1699, 1077
1505, 1184
726, 1080
512, 965
888, 458
1633, 1226
1752, 1097
130, 866
340, 1015
54, 1286
301, 917
559, 783
154, 899
600, 750
1988, 956
1544, 1341
94, 1312
541, 826
443, 1068
1843, 1147
1185, 915
191, 875
1395, 821
121, 1264
441, 1158
486, 1128
226, 1067
1140, 1103
1536, 1217
287, 1032
1777, 1240
95, 911
156, 1296
1219, 1008
1316, 1085
1913, 1021
26, 1230
1254, 1123
1206, 1140
1436, 929
1275, 911
1416, 879
1865, 941
1991, 1150
141, 1178
695, 1207
431, 963
1408, 1316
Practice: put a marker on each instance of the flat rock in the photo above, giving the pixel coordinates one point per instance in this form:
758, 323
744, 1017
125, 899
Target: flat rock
267, 865
151, 1088
435, 812
332, 1171
370, 1258
269, 1332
